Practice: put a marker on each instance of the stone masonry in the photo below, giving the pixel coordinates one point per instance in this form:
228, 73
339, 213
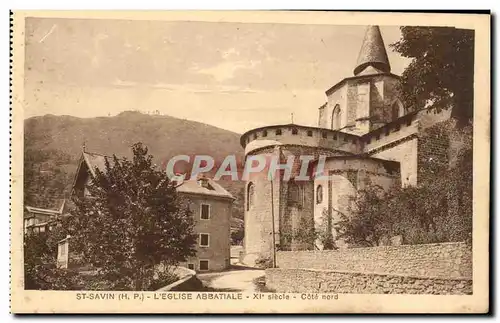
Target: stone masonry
323, 281
444, 268
430, 260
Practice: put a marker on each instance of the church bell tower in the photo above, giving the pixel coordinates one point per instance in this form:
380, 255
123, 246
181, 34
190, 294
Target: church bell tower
367, 100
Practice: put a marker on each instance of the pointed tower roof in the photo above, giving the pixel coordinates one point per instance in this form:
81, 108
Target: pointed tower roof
372, 52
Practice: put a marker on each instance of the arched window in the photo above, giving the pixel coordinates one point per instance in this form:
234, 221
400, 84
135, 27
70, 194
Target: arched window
397, 110
336, 116
319, 194
293, 193
250, 195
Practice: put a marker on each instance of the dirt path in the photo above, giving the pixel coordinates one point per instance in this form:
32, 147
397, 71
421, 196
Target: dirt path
232, 281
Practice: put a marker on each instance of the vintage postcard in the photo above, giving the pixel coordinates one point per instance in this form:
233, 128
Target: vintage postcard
250, 162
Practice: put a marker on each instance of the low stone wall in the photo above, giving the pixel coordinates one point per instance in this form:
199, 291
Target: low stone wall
187, 281
324, 281
443, 260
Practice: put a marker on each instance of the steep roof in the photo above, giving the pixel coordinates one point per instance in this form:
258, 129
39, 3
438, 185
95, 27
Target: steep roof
94, 161
212, 189
372, 52
38, 210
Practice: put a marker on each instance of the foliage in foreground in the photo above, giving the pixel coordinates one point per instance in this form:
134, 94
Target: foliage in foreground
132, 224
40, 271
438, 209
441, 73
131, 231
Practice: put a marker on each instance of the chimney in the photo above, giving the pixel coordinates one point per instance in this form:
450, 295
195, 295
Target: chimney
203, 181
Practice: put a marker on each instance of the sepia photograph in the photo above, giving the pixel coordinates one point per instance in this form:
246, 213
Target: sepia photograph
254, 163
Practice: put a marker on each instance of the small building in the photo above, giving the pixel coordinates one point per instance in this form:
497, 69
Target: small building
38, 220
211, 206
209, 203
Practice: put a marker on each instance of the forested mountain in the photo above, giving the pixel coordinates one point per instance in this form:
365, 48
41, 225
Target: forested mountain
53, 145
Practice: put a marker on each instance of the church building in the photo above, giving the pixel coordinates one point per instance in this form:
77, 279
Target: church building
366, 136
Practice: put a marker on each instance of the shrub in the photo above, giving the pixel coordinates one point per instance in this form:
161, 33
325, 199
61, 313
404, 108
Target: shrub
264, 262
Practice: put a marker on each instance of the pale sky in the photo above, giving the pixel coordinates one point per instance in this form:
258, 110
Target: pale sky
234, 76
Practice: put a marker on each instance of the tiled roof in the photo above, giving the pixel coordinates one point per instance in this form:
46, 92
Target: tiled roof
42, 211
38, 210
214, 189
372, 52
94, 160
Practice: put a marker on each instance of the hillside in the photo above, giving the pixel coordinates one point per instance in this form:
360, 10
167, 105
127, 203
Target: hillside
53, 145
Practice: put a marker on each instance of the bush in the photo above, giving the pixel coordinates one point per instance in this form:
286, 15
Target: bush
264, 262
438, 209
162, 279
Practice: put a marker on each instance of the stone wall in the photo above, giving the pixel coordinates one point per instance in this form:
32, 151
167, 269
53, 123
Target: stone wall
433, 148
324, 281
188, 281
444, 260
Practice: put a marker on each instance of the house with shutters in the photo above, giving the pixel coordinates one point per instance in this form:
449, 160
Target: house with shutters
210, 205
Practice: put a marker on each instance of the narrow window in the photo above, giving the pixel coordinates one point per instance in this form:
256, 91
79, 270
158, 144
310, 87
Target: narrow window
204, 265
309, 133
336, 118
254, 136
264, 133
191, 266
205, 212
319, 194
295, 131
323, 134
397, 110
278, 132
294, 194
250, 195
204, 239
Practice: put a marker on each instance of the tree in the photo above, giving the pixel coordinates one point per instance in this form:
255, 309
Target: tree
433, 211
237, 235
368, 220
442, 71
40, 270
133, 224
324, 235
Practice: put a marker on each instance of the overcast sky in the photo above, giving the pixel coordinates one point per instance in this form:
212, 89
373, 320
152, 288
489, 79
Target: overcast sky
231, 75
